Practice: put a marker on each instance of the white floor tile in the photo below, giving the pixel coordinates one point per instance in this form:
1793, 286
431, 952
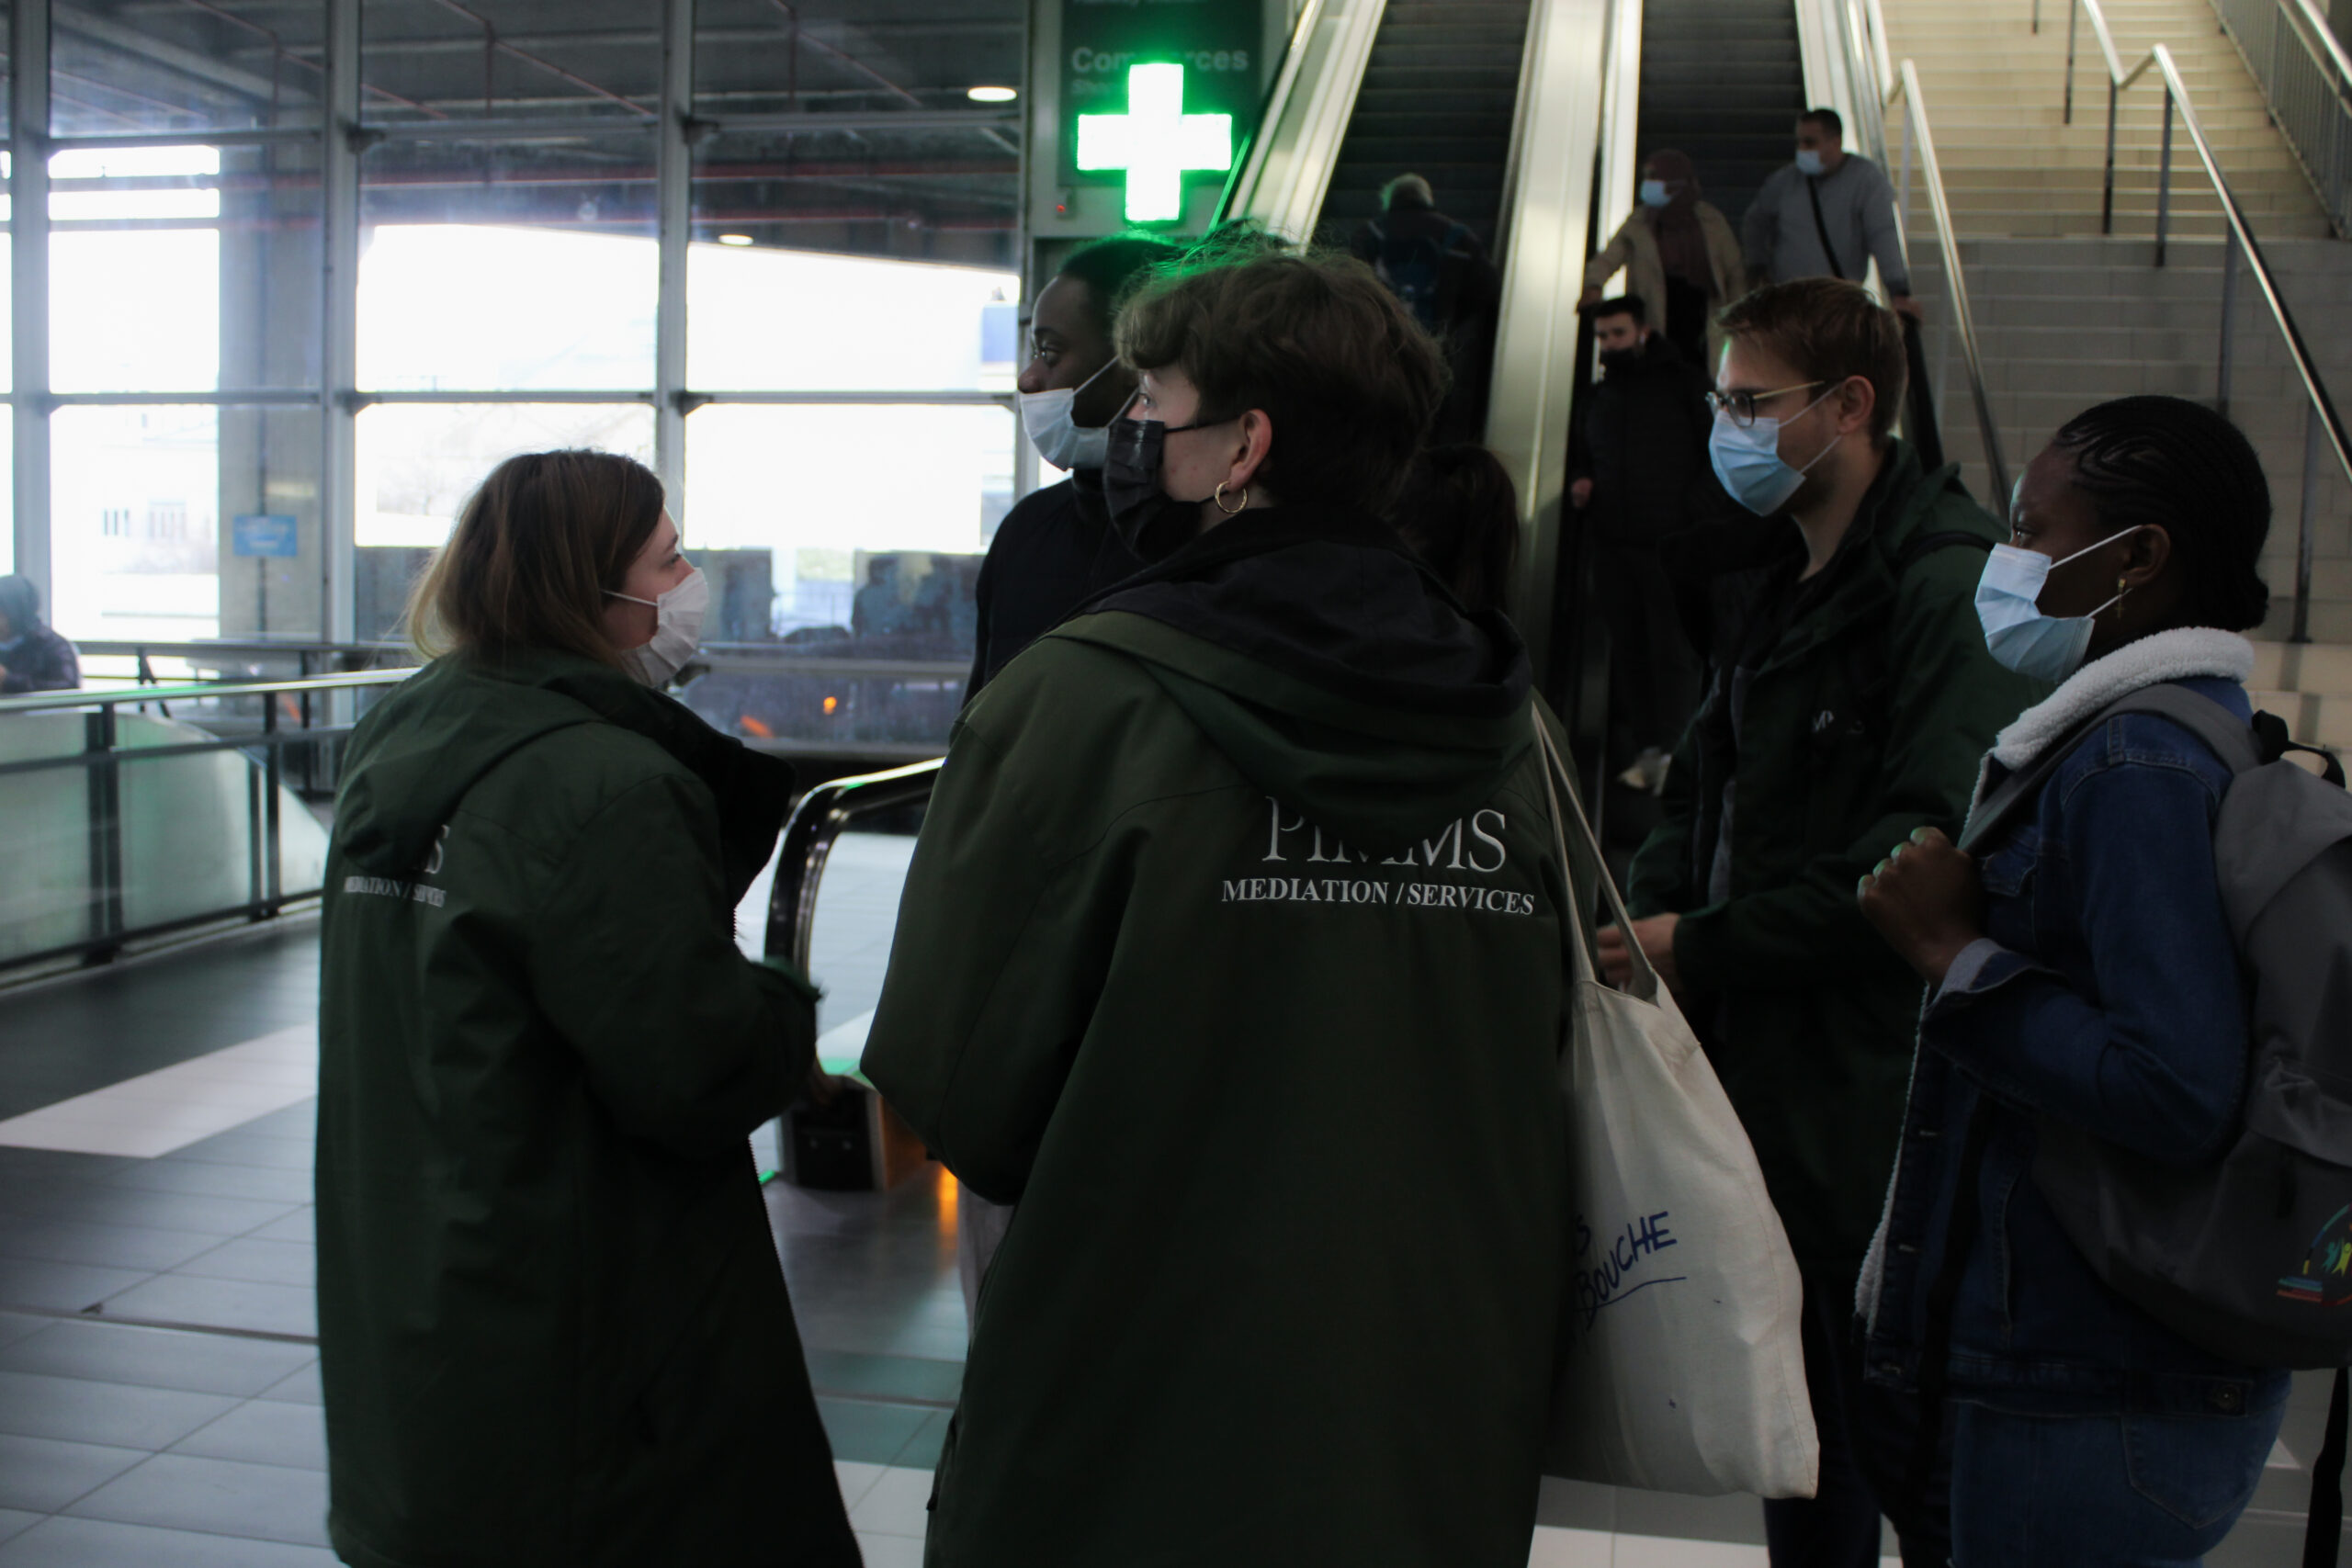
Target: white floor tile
176, 1106
1570, 1549
1657, 1551
857, 1479
895, 1505
2280, 1459
890, 1551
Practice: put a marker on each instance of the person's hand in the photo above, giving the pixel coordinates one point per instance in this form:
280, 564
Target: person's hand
1925, 900
1580, 494
1588, 300
1656, 936
1904, 305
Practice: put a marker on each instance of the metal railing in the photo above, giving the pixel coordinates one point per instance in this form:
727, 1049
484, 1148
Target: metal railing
819, 818
101, 762
1883, 91
2307, 79
1285, 171
2321, 421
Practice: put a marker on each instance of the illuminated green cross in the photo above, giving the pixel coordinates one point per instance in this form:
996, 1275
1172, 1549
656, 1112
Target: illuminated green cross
1155, 142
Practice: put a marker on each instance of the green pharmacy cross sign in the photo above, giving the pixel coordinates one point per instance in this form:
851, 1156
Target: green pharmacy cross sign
1155, 142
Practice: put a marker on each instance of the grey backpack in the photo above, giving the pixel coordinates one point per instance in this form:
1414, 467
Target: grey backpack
2252, 1258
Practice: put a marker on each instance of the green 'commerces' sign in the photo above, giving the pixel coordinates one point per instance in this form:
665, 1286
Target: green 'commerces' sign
1157, 95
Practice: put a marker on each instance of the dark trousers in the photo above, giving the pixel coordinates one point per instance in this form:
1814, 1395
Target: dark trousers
1867, 1435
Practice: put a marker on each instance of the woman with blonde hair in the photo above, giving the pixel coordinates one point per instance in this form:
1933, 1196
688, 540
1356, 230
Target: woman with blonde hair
552, 1328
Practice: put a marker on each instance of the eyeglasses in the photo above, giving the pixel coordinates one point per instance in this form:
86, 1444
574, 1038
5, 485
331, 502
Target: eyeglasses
1741, 406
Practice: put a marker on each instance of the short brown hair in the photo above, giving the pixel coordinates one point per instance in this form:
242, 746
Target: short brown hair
1827, 331
1350, 381
532, 554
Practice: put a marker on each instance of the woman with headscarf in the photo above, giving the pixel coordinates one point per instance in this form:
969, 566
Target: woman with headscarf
1680, 258
33, 656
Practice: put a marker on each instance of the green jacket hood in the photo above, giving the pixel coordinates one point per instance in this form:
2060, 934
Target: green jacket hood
417, 753
1380, 777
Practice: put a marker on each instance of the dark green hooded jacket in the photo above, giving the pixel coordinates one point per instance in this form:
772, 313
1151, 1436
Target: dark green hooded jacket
1231, 953
1865, 719
552, 1324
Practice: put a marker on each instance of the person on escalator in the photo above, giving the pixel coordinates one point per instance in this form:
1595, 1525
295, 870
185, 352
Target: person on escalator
1829, 214
1438, 267
1851, 706
1682, 260
1645, 479
1231, 950
552, 1329
34, 656
1056, 546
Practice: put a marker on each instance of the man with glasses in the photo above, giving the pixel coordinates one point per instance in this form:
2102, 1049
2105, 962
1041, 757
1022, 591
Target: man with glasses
1851, 700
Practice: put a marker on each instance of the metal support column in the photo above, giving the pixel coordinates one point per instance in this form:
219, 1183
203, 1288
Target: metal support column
673, 198
2229, 320
29, 267
2163, 182
340, 143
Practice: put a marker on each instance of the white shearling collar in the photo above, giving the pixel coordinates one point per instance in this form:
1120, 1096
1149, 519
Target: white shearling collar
2181, 655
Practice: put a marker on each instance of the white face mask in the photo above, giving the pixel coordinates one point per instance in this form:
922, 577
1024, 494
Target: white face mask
1809, 161
677, 629
1046, 418
1655, 194
1748, 460
2009, 603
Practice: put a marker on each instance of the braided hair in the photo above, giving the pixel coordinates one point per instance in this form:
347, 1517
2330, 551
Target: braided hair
2180, 466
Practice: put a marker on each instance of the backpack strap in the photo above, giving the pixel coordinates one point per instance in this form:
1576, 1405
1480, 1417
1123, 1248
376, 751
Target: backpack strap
2232, 740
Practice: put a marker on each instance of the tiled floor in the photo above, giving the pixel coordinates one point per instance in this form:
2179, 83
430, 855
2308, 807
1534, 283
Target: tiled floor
158, 1375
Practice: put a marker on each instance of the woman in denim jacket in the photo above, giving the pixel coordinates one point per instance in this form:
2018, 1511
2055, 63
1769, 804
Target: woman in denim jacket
2081, 970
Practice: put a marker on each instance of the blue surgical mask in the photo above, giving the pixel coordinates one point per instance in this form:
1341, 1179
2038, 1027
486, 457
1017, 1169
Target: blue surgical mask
1809, 161
1748, 460
2008, 603
1655, 194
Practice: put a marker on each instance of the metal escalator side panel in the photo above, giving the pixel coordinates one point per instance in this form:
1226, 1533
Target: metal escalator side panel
1288, 169
1546, 239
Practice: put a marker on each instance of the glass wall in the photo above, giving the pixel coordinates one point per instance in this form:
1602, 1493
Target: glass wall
833, 412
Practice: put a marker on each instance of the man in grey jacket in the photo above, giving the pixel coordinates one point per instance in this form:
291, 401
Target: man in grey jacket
1829, 214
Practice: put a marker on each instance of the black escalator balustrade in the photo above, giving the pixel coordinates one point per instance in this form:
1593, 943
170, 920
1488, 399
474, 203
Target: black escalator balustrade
1439, 97
1722, 80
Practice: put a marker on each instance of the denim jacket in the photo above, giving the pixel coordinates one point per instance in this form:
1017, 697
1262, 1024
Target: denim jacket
2105, 994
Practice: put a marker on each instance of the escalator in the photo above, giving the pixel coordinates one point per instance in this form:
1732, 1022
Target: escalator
1438, 98
1722, 80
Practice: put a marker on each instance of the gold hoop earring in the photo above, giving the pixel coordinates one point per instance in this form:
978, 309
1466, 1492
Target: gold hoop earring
1231, 511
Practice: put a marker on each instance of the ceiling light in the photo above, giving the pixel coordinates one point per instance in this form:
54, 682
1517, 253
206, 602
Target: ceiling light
734, 239
991, 95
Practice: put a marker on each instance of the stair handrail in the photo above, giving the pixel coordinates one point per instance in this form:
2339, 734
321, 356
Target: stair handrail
1283, 177
2309, 90
1881, 89
2320, 417
1908, 98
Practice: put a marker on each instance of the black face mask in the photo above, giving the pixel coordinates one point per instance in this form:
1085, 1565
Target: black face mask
1151, 522
1620, 358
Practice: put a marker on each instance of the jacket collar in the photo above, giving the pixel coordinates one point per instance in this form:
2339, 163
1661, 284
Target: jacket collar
1862, 572
2182, 654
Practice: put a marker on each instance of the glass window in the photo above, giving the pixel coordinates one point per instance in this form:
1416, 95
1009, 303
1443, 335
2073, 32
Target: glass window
523, 60
187, 268
185, 68
528, 267
134, 522
761, 318
418, 462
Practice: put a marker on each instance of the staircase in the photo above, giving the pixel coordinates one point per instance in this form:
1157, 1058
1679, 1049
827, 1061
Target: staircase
1438, 98
2066, 318
1722, 80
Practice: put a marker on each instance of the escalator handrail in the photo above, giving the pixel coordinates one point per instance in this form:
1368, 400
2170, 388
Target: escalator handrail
1906, 97
1286, 172
819, 818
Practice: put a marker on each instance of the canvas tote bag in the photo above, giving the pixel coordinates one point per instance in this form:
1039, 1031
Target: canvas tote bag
1682, 1368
